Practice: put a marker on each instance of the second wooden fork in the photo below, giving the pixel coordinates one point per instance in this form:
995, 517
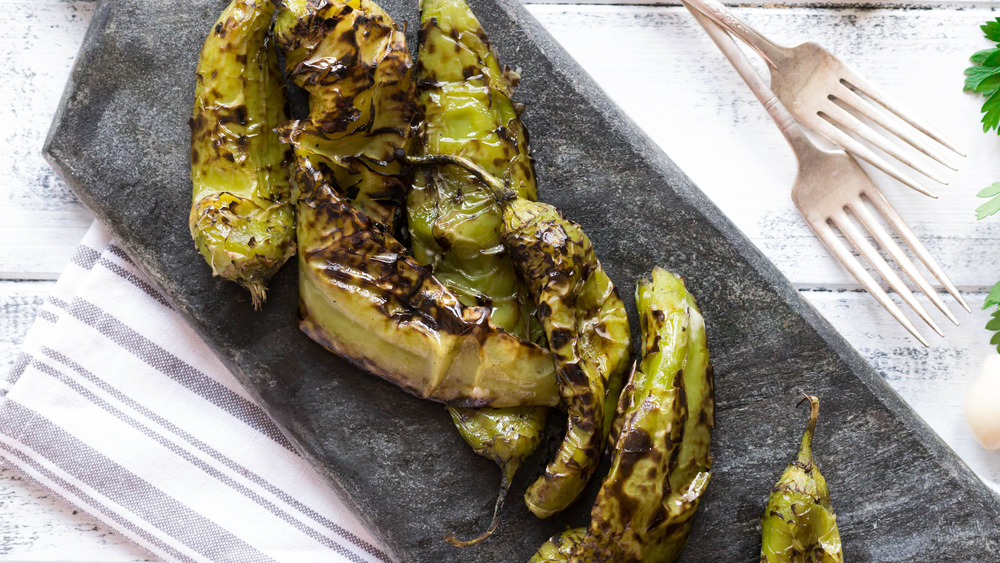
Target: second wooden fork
834, 193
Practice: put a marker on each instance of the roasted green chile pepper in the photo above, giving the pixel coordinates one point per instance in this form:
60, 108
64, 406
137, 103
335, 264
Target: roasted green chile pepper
799, 524
661, 462
585, 324
454, 221
352, 60
587, 330
453, 218
242, 219
559, 548
505, 435
361, 295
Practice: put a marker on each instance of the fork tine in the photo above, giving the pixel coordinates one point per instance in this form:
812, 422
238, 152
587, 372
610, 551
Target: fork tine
856, 126
852, 146
845, 257
890, 123
853, 234
885, 240
853, 80
882, 205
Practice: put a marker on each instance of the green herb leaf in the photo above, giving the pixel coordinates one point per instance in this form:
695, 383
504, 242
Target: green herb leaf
988, 208
990, 190
981, 56
993, 298
992, 30
992, 60
984, 80
991, 112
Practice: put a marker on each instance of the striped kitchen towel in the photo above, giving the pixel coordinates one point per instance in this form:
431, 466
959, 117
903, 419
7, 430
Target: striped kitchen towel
117, 406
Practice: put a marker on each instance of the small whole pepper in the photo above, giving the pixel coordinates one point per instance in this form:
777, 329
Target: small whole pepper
558, 548
799, 523
660, 464
242, 219
590, 343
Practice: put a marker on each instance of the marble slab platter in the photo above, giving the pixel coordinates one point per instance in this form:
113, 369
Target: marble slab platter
120, 139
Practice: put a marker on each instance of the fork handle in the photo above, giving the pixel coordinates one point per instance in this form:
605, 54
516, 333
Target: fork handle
787, 124
772, 53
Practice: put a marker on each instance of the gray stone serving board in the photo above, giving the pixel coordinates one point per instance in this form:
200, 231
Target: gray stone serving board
121, 140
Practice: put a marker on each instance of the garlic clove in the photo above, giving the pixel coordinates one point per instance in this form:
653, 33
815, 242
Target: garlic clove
982, 404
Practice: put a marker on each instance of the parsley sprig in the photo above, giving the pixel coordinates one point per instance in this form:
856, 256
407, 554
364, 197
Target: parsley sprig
984, 78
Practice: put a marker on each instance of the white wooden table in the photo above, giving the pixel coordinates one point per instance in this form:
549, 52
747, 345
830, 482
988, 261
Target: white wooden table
661, 68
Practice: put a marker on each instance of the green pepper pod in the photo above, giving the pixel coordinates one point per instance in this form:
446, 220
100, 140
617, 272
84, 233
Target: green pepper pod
364, 298
454, 221
505, 435
558, 548
660, 466
352, 60
587, 330
799, 524
241, 219
690, 476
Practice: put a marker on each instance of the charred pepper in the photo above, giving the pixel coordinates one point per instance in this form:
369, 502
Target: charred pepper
558, 548
585, 324
799, 523
352, 60
363, 297
587, 329
454, 221
661, 462
241, 219
361, 294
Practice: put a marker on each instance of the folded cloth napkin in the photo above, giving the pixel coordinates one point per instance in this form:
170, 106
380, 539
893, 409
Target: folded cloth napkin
117, 406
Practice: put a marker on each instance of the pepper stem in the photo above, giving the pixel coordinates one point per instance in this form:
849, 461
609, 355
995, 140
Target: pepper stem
509, 469
258, 292
805, 450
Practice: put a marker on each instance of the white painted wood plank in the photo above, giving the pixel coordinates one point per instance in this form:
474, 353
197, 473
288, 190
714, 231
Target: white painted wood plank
39, 216
661, 68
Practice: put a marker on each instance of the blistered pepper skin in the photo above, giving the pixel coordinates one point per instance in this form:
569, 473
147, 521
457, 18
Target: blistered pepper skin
361, 294
798, 523
587, 330
454, 221
661, 462
585, 324
559, 548
241, 218
352, 59
364, 298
